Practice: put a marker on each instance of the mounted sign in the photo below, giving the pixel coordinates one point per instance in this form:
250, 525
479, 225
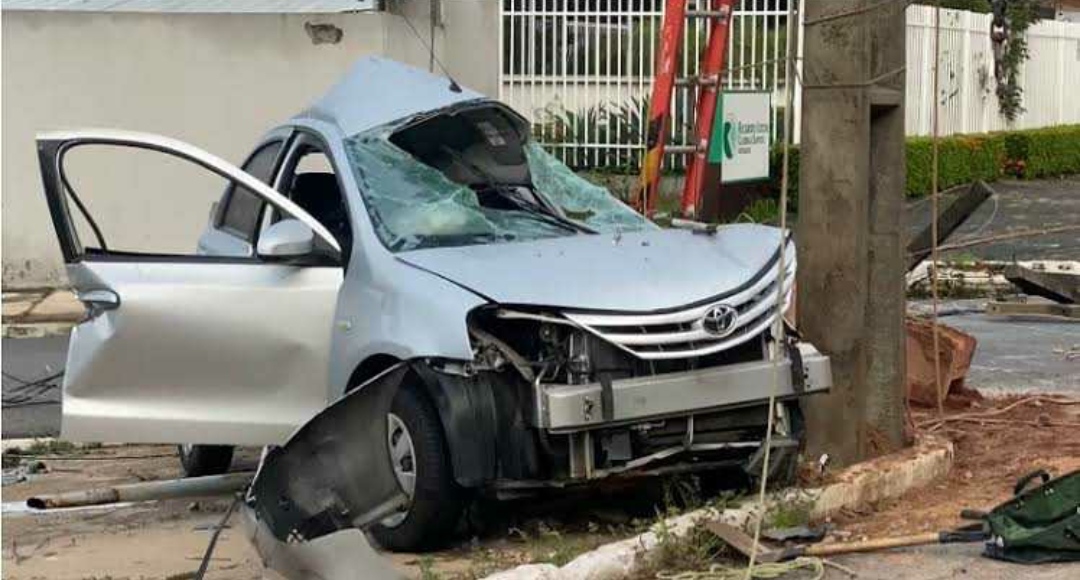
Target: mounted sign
741, 136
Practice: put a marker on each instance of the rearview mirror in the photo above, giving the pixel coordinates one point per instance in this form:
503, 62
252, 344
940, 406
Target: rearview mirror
286, 239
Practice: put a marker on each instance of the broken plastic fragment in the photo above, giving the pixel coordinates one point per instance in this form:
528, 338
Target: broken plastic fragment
335, 472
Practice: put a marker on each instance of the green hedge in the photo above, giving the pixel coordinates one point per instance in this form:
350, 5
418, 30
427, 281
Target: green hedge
1052, 151
1032, 153
962, 159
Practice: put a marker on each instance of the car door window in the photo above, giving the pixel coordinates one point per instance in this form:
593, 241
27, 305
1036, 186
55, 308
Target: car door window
242, 208
309, 180
145, 199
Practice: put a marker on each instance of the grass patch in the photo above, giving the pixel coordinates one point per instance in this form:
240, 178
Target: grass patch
427, 568
44, 448
697, 550
554, 547
789, 514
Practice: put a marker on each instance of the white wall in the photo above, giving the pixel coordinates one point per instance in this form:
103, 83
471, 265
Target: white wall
217, 81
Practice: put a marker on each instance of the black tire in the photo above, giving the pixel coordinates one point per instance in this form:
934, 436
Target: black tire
437, 501
199, 460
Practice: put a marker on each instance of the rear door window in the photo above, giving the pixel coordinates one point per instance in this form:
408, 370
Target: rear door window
242, 207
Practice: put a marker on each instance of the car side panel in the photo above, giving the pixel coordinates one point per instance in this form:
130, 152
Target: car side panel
208, 353
395, 309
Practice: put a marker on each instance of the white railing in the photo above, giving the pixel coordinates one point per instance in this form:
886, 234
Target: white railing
582, 70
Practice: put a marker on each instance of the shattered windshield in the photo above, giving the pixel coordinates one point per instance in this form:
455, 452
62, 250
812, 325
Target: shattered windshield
457, 192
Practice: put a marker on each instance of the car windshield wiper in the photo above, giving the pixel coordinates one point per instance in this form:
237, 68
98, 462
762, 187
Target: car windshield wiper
510, 192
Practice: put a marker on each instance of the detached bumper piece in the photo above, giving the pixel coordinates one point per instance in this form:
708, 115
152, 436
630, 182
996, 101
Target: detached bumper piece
571, 408
335, 472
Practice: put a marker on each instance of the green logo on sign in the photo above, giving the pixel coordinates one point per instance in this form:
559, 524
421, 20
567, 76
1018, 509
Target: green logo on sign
731, 137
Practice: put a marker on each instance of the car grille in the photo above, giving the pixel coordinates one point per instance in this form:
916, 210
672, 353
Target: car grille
680, 333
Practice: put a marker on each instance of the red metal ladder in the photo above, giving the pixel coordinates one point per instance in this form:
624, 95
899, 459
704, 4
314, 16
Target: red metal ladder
676, 13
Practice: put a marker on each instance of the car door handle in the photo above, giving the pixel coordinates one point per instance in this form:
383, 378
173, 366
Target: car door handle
99, 301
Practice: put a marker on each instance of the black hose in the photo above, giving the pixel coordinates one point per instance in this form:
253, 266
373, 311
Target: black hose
214, 538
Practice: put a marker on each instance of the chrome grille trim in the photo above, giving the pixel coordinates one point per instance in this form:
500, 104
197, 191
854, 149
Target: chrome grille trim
689, 315
680, 334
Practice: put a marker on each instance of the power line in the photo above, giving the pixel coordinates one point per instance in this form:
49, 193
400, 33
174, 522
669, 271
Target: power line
430, 47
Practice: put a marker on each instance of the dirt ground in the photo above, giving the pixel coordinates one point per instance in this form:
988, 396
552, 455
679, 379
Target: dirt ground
1001, 440
166, 539
153, 540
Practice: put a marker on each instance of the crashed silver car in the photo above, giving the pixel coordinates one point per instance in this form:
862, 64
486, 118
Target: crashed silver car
551, 336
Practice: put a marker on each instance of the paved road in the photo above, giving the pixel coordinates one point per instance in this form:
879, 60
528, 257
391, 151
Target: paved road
1014, 353
1018, 354
1020, 205
960, 561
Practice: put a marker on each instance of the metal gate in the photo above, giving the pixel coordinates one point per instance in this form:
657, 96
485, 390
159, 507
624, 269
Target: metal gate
581, 71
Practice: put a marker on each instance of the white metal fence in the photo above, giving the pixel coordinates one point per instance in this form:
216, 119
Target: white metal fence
581, 71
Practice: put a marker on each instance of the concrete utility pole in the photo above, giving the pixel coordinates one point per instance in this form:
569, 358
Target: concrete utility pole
850, 230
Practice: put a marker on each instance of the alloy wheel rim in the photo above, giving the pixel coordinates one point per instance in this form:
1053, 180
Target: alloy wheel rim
403, 457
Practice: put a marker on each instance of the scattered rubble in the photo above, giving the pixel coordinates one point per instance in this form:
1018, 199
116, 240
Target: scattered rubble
997, 441
955, 349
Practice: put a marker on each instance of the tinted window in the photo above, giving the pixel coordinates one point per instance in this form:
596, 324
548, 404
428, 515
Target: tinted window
243, 208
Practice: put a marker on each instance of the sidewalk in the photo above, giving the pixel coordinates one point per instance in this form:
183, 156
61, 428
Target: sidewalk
40, 312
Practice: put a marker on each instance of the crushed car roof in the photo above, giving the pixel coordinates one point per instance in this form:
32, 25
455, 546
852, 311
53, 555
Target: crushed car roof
377, 91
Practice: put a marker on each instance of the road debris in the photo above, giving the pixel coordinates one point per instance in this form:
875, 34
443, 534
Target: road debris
1047, 309
312, 496
1059, 282
209, 485
950, 217
956, 349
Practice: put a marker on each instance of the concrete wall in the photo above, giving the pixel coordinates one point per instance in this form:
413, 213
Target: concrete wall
217, 81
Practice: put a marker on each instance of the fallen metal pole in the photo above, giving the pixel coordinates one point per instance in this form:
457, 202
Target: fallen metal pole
146, 491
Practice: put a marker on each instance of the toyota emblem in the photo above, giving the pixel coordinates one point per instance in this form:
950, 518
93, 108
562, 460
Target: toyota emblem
719, 320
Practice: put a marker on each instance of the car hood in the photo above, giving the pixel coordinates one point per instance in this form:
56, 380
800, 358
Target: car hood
639, 271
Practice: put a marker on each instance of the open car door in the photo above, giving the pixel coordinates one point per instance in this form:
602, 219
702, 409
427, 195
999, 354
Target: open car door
183, 347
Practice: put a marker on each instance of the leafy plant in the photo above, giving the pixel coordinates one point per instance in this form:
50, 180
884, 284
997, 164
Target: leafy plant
1019, 15
761, 211
621, 125
788, 514
427, 568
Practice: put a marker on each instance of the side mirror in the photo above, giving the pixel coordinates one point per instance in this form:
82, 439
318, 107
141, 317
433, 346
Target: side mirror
286, 239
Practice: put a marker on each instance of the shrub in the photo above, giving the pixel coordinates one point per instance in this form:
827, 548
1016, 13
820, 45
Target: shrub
961, 159
1052, 151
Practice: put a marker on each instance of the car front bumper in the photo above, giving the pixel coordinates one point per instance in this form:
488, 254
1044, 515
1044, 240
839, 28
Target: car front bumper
571, 408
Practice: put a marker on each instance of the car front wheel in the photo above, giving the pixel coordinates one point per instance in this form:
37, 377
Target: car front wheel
422, 466
199, 460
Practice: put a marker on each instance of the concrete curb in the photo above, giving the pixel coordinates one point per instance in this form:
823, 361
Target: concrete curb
39, 312
38, 330
882, 478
